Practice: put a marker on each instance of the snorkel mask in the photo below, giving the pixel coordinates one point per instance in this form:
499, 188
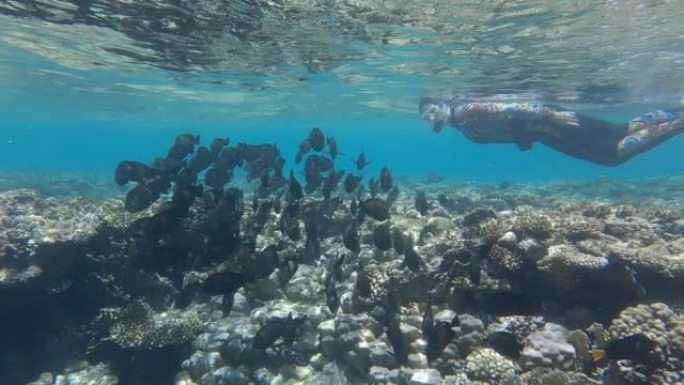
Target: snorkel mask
435, 111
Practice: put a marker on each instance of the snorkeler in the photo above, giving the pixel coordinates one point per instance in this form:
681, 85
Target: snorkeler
576, 135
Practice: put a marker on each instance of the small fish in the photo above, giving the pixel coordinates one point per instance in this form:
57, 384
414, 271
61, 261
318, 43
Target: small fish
393, 195
140, 197
373, 186
316, 139
216, 146
183, 146
412, 259
353, 207
228, 158
304, 148
386, 181
223, 282
447, 202
376, 208
200, 161
421, 203
288, 223
382, 238
216, 178
267, 261
351, 183
362, 286
350, 237
361, 161
286, 271
332, 147
398, 241
336, 267
330, 183
504, 343
130, 171
396, 339
636, 347
437, 335
295, 191
186, 178
332, 299
504, 185
269, 333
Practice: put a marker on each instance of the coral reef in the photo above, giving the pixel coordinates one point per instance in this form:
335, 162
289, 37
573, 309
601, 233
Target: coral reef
263, 282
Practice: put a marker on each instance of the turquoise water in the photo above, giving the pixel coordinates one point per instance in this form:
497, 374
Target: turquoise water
86, 84
79, 94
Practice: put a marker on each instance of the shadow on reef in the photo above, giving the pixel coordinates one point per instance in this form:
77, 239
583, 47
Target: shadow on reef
198, 277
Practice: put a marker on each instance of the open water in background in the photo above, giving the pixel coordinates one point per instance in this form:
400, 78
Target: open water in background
84, 84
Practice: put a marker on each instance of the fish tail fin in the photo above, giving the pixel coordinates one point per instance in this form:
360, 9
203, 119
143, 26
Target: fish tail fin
598, 355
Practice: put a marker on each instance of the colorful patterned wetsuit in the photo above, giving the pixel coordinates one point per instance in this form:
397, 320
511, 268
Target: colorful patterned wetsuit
580, 136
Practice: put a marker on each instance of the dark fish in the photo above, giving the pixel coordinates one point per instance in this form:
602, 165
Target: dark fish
294, 191
216, 178
228, 158
267, 261
183, 146
361, 161
386, 181
398, 241
277, 205
447, 202
504, 343
442, 334
351, 183
376, 208
304, 148
396, 339
313, 182
200, 161
350, 238
353, 207
428, 324
334, 267
216, 146
330, 183
373, 186
130, 171
262, 214
140, 197
286, 271
227, 301
382, 238
437, 335
636, 347
288, 223
421, 203
332, 147
362, 287
187, 294
332, 299
316, 139
312, 245
224, 282
186, 178
412, 259
504, 185
269, 333
393, 195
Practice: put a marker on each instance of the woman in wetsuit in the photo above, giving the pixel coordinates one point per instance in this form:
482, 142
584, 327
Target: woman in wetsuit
576, 135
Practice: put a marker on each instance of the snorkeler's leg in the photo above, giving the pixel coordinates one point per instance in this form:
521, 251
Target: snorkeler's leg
591, 139
647, 131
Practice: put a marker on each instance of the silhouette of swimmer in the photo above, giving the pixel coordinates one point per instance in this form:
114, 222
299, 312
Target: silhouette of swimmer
580, 136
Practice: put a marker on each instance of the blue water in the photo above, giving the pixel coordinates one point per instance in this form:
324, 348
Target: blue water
61, 143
